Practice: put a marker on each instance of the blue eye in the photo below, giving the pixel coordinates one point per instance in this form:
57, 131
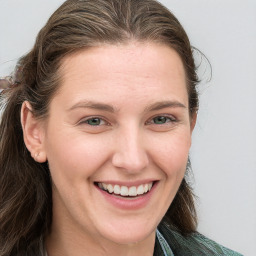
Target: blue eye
94, 121
94, 124
161, 120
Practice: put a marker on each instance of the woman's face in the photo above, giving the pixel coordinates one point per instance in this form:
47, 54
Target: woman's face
117, 140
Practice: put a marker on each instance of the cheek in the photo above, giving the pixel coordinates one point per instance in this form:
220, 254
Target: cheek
75, 159
172, 154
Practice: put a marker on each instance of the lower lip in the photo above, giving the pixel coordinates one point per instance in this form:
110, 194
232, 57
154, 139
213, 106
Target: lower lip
128, 203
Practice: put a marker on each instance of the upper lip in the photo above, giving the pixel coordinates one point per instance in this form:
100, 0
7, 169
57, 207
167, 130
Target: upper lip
127, 183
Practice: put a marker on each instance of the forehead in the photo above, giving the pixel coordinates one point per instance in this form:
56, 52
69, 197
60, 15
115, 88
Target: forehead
128, 70
125, 58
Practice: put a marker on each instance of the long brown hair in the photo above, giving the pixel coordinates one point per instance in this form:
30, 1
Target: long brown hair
25, 185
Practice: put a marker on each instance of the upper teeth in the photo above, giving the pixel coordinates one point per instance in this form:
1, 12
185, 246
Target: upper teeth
126, 191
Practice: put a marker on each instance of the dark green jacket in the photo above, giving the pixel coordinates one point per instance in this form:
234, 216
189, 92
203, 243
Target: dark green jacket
171, 243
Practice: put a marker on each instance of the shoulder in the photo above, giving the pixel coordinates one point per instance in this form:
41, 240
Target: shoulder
194, 244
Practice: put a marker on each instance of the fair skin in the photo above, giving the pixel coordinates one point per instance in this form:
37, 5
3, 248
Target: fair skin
121, 120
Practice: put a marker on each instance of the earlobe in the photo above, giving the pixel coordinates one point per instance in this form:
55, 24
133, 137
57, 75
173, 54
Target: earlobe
33, 133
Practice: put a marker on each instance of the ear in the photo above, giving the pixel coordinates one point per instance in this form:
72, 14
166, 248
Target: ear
33, 133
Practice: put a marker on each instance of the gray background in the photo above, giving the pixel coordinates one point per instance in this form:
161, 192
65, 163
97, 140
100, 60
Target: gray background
224, 142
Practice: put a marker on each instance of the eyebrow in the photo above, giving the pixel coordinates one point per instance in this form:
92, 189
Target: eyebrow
93, 105
164, 104
105, 107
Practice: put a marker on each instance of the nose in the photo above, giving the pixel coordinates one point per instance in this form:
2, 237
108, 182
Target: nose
130, 152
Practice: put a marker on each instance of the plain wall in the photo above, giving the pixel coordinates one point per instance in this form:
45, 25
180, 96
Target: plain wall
223, 153
224, 141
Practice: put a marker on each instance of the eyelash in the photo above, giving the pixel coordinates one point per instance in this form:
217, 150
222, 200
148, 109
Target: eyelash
167, 119
86, 121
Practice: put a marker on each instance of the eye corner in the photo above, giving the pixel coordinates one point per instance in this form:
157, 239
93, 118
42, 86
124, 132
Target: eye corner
162, 123
161, 119
93, 121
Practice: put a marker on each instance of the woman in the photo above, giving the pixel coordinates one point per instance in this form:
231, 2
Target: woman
95, 136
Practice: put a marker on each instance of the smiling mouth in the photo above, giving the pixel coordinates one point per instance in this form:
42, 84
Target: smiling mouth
125, 191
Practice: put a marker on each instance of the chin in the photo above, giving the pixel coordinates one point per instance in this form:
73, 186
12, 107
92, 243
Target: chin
129, 239
129, 236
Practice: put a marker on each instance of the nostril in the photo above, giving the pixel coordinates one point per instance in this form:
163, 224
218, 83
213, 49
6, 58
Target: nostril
129, 161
